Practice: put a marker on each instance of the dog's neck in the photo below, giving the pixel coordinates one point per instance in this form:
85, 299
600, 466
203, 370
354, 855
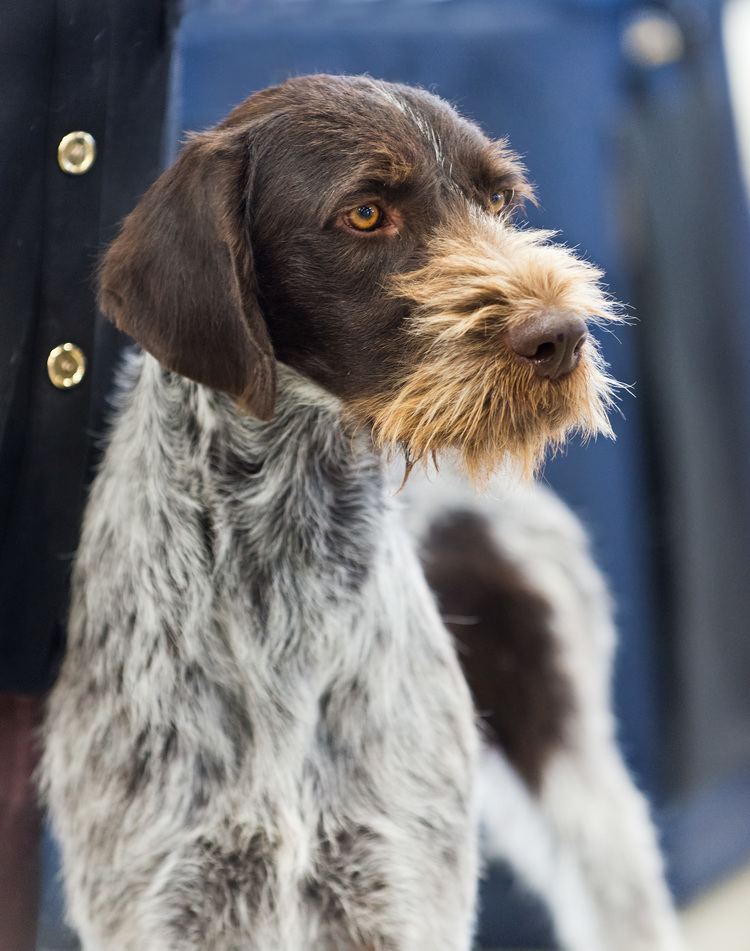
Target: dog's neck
300, 486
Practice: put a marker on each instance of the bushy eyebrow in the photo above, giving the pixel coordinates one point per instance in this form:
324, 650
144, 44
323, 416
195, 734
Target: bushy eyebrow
500, 167
368, 178
391, 171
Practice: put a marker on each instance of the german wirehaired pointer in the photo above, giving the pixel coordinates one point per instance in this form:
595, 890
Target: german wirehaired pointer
261, 739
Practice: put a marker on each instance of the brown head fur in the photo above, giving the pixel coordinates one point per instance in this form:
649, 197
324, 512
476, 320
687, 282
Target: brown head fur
242, 254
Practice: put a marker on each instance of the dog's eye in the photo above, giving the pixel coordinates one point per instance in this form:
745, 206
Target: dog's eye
365, 218
499, 201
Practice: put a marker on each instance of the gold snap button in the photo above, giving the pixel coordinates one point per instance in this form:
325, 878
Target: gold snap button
76, 152
66, 366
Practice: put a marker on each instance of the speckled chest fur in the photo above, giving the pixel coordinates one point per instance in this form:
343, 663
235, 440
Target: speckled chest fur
260, 727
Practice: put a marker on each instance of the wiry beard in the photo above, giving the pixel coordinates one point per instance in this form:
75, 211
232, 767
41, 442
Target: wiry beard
465, 391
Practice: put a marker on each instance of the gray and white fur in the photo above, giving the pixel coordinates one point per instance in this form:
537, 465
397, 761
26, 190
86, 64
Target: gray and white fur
261, 737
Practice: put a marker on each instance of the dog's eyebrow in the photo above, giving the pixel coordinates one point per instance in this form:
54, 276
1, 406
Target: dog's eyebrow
372, 176
499, 167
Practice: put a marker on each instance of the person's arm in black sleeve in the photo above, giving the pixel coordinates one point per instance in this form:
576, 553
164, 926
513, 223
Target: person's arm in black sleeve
85, 86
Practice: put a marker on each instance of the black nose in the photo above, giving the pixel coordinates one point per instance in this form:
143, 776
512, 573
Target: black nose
551, 342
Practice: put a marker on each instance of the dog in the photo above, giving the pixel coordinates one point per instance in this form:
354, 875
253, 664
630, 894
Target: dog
261, 737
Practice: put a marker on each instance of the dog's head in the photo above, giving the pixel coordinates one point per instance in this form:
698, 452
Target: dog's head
363, 233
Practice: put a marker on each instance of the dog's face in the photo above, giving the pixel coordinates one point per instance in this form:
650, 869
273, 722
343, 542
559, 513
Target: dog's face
364, 234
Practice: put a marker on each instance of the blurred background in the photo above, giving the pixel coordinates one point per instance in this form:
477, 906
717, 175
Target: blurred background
633, 119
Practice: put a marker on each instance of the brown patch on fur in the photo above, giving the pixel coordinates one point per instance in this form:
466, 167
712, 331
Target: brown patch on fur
465, 390
506, 645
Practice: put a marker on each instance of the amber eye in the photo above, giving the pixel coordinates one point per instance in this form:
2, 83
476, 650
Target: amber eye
499, 201
365, 218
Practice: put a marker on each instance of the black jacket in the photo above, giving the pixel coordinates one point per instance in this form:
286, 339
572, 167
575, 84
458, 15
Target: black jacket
101, 67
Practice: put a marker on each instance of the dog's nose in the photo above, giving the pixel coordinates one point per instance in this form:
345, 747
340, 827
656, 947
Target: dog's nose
551, 342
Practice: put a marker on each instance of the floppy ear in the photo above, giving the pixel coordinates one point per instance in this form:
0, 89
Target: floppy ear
180, 279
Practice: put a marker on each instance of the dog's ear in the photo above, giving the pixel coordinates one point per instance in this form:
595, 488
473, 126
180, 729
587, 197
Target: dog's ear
180, 279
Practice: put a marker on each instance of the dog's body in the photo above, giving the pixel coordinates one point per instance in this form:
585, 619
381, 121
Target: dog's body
260, 738
258, 695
